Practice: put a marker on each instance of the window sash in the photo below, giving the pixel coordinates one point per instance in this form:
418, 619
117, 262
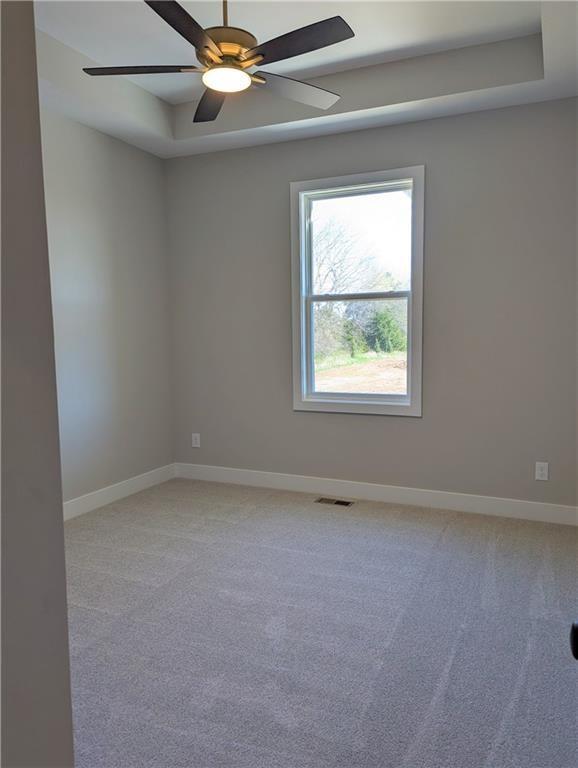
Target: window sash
364, 296
306, 200
309, 351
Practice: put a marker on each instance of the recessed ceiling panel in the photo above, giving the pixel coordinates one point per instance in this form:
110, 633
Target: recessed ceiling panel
130, 33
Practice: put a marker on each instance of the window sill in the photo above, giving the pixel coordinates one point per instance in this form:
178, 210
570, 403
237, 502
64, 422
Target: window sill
377, 407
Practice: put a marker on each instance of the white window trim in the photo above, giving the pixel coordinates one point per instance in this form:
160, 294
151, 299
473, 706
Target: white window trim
389, 405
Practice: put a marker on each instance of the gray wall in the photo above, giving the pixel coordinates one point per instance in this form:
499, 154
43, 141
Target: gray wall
499, 314
36, 714
107, 244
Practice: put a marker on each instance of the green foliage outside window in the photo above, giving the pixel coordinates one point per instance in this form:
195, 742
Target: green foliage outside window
384, 334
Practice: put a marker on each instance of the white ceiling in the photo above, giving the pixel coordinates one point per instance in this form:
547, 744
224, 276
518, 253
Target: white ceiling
408, 61
129, 32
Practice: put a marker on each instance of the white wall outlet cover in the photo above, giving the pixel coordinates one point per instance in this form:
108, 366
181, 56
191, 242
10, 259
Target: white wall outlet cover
542, 470
195, 440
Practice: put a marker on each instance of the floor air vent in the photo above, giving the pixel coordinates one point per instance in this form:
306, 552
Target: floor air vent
338, 502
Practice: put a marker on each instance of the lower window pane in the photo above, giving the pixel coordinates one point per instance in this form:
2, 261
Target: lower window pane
360, 346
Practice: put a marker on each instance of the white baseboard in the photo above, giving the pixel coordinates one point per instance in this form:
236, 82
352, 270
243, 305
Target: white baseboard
349, 489
96, 499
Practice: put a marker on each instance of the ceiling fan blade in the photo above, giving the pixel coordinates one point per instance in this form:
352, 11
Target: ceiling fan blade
299, 91
175, 15
209, 106
310, 38
139, 70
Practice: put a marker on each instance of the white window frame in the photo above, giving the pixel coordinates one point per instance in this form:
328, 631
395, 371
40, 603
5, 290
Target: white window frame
304, 398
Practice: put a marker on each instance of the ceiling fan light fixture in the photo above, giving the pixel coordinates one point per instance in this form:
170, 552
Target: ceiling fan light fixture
226, 79
225, 54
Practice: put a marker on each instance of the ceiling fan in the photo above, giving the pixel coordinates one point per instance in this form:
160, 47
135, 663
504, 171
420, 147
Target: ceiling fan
228, 53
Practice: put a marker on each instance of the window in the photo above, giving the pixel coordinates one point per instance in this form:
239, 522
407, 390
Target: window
357, 292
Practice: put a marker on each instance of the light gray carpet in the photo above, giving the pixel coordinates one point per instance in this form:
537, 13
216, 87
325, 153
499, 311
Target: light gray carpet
217, 626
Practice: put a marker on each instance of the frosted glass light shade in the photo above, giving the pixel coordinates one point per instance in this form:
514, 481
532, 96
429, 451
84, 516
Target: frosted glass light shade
226, 79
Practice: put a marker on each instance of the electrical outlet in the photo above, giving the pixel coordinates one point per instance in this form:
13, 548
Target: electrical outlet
542, 470
195, 440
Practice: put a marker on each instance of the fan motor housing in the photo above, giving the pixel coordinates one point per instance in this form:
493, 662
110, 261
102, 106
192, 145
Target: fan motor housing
231, 41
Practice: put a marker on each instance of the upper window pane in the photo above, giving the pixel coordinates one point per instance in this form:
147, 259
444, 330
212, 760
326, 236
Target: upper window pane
361, 243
